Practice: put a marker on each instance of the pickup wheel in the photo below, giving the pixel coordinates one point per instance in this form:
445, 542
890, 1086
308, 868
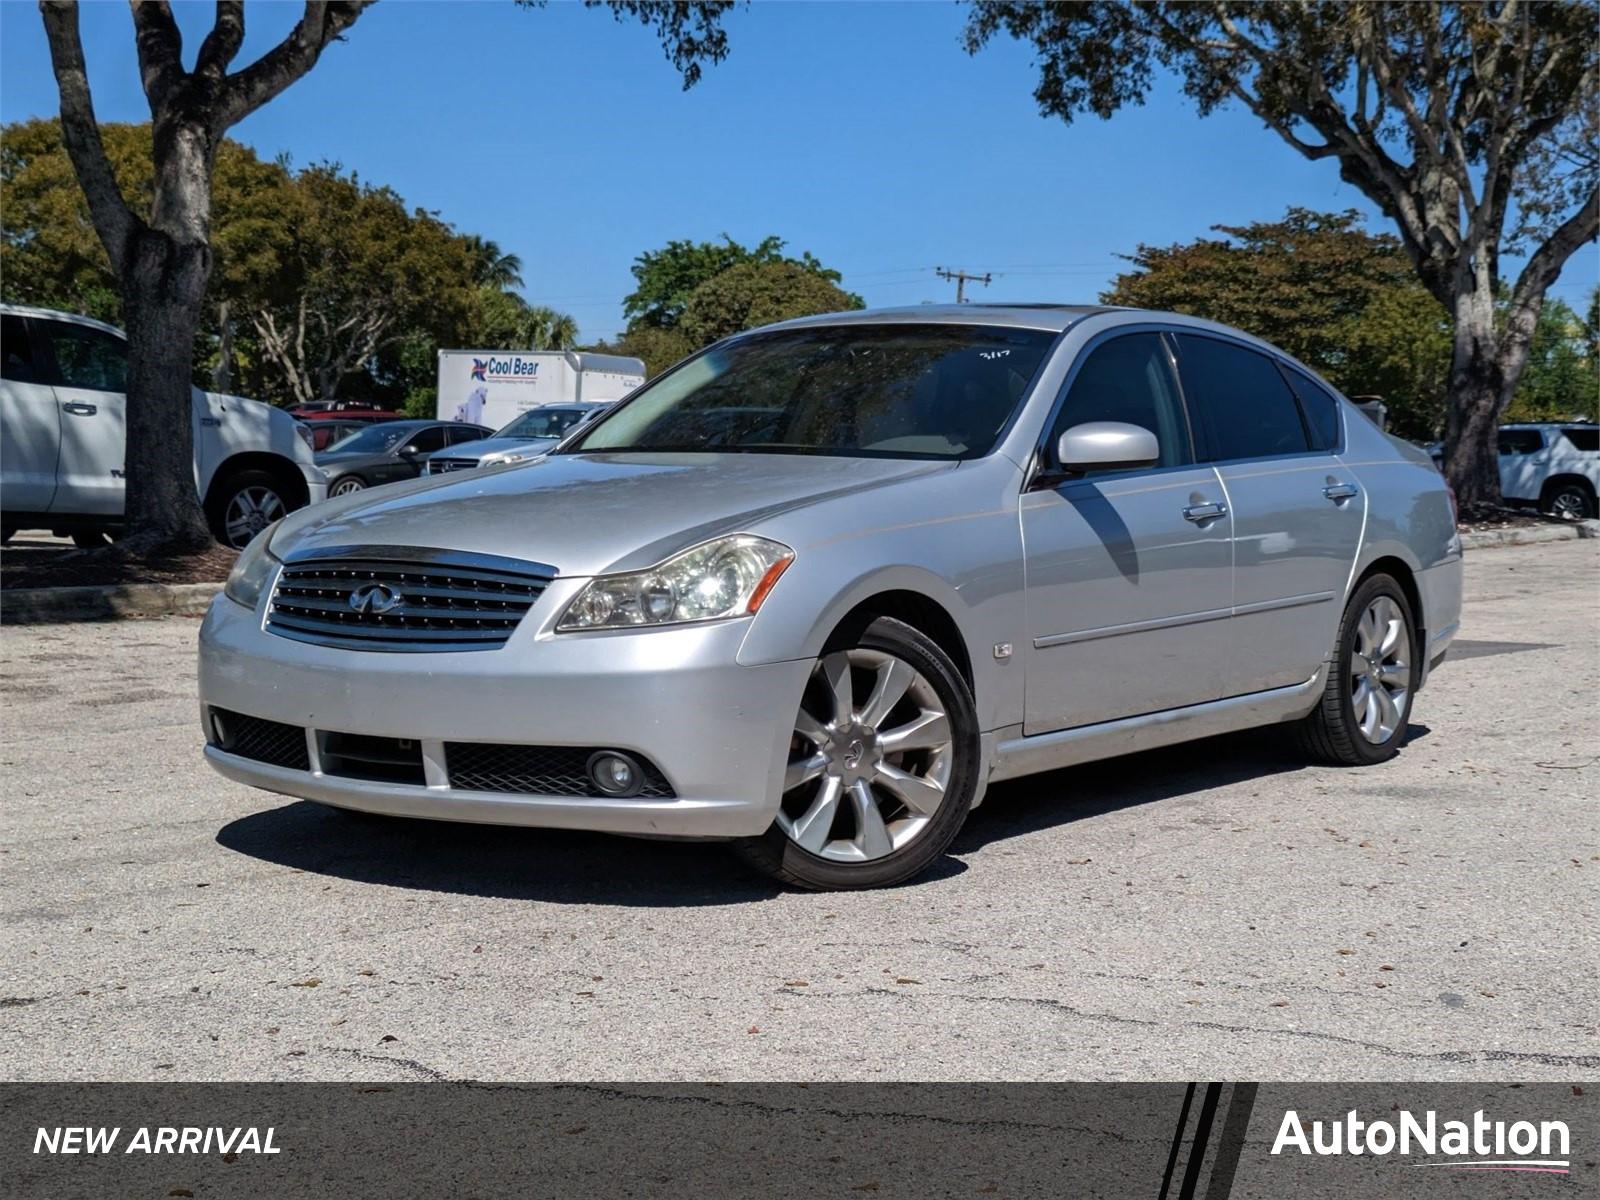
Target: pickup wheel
244, 505
1569, 499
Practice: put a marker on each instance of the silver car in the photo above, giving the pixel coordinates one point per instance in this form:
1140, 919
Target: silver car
535, 432
817, 587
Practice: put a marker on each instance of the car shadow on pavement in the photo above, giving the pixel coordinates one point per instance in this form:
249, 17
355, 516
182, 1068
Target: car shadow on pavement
1037, 802
554, 865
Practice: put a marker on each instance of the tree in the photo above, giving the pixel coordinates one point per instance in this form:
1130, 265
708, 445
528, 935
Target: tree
758, 293
665, 278
1562, 380
548, 329
491, 266
359, 273
162, 260
1338, 298
1470, 125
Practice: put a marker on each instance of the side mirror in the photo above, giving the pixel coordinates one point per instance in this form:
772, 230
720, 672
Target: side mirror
1106, 446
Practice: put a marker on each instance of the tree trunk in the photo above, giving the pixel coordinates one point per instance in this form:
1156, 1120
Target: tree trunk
222, 373
1486, 365
163, 290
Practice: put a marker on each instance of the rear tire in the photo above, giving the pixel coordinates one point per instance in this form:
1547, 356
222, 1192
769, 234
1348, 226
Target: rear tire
90, 539
243, 505
884, 763
1571, 500
1366, 703
347, 486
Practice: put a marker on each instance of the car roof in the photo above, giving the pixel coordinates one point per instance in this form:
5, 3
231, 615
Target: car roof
1026, 315
28, 310
1549, 425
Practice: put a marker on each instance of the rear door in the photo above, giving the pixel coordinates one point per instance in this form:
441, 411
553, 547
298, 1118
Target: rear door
30, 423
1298, 512
90, 376
1129, 573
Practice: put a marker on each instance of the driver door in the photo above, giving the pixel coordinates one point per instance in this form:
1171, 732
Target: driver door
1129, 573
408, 459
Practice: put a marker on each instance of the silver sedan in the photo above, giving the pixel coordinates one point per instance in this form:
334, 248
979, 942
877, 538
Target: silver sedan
815, 588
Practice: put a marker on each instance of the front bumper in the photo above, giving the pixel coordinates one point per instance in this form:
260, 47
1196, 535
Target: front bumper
316, 482
718, 731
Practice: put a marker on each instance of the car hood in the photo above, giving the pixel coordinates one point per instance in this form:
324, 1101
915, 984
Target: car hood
488, 446
591, 513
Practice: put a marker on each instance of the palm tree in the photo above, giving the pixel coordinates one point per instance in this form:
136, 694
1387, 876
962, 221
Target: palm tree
491, 267
548, 329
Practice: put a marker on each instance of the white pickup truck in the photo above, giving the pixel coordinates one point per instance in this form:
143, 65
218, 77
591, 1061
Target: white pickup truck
63, 438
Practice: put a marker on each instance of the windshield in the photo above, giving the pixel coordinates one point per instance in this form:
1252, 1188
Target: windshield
375, 440
889, 391
542, 423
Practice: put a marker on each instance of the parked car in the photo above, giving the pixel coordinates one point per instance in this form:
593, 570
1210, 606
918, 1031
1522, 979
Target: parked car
63, 440
930, 548
324, 433
343, 410
390, 451
533, 433
1553, 466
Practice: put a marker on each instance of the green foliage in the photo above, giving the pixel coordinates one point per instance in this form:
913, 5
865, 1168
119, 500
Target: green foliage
758, 293
1341, 300
1562, 379
657, 348
666, 278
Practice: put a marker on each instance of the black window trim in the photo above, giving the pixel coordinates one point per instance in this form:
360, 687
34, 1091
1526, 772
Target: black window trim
1289, 369
1271, 357
1040, 474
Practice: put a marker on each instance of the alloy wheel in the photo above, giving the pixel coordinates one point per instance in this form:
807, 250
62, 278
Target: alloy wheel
1380, 670
346, 486
865, 776
250, 511
1569, 504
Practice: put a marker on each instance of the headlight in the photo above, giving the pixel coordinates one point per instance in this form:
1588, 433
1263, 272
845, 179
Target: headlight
253, 569
728, 577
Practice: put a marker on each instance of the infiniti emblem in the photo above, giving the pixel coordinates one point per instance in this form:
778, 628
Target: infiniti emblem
375, 598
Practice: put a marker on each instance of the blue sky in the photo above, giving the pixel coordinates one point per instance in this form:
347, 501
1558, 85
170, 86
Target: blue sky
859, 131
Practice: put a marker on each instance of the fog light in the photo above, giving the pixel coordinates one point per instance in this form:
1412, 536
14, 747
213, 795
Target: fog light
615, 774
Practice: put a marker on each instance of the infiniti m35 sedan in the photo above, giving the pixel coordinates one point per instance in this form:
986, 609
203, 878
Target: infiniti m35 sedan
815, 588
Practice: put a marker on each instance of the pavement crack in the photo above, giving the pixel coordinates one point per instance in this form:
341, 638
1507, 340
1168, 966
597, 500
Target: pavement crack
409, 1064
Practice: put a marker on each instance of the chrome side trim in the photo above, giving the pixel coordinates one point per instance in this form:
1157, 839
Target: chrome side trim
1194, 618
1105, 631
1242, 610
1025, 755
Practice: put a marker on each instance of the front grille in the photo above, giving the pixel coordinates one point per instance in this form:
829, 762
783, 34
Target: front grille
362, 756
441, 466
403, 598
264, 741
537, 770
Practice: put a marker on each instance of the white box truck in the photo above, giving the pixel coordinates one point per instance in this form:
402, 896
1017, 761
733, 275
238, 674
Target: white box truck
491, 387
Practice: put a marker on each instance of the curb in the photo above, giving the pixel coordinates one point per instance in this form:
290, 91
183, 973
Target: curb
1489, 538
39, 606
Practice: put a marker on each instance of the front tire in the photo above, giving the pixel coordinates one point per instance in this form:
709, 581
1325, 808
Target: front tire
243, 506
348, 486
1366, 704
883, 765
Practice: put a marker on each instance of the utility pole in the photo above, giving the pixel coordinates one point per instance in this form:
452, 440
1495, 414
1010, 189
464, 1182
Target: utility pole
961, 278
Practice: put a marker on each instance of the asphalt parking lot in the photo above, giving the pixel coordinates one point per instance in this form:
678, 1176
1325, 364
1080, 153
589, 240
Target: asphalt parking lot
1218, 910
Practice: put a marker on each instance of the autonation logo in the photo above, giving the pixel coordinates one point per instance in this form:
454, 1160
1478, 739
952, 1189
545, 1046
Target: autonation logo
1476, 1145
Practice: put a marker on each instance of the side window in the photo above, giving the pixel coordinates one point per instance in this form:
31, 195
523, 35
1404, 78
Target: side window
1243, 406
87, 358
1129, 379
465, 434
1521, 441
1585, 438
1321, 409
17, 351
425, 441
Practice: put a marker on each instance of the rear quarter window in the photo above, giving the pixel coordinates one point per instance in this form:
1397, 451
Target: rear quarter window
1320, 407
1587, 440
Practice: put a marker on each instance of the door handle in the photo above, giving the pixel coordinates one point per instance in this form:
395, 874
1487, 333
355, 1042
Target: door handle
1340, 492
1205, 512
79, 409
